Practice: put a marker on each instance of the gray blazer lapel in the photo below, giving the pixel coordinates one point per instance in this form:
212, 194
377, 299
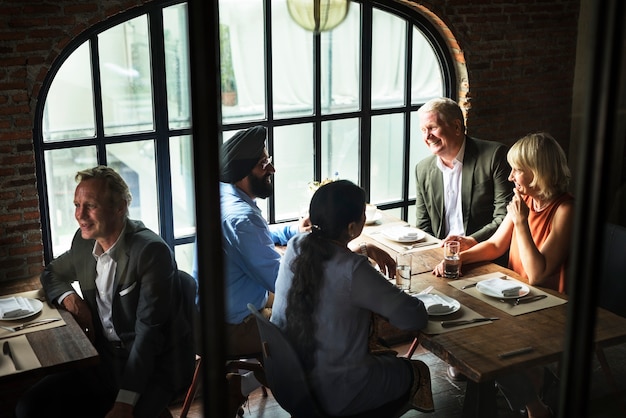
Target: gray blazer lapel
438, 201
467, 179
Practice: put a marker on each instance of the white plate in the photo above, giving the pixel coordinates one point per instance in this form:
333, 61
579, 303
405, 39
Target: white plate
398, 234
378, 216
36, 306
489, 292
450, 301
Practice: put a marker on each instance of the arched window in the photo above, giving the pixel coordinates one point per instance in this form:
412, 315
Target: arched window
339, 104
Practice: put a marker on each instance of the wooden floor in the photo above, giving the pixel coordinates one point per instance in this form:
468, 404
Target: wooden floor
449, 395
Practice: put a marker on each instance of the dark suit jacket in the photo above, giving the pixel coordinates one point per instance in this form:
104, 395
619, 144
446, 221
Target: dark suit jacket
485, 190
148, 308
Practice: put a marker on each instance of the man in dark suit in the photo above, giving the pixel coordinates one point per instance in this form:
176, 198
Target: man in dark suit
132, 308
463, 188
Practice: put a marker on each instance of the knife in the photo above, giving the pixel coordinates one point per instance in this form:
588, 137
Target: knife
467, 286
530, 299
449, 324
34, 323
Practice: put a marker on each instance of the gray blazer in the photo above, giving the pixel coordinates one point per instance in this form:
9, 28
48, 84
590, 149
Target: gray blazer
485, 190
147, 309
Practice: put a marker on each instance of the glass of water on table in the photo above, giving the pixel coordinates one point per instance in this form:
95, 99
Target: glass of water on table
451, 259
403, 271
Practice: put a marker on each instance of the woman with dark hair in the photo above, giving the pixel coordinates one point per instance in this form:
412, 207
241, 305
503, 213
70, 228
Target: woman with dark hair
325, 295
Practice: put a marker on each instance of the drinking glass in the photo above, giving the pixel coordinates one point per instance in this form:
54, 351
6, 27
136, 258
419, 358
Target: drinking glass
403, 271
451, 260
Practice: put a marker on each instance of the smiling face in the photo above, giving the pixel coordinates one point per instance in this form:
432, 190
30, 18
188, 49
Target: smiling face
522, 180
98, 217
442, 139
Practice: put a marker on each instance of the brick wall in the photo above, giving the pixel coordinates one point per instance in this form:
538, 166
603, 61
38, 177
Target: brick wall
32, 33
518, 58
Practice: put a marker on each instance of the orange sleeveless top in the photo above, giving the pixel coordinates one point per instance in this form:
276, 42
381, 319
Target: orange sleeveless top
540, 224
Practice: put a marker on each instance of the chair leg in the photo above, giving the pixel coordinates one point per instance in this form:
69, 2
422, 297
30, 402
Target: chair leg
606, 368
412, 349
191, 392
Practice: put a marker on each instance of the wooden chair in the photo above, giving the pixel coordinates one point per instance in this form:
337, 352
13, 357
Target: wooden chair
190, 288
288, 380
612, 285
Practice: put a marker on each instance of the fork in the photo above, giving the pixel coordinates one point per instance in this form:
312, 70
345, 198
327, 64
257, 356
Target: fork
418, 244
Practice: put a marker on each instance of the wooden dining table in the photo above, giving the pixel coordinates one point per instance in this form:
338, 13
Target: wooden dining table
59, 346
523, 336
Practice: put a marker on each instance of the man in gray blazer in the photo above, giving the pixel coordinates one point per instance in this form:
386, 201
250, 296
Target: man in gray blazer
463, 188
132, 308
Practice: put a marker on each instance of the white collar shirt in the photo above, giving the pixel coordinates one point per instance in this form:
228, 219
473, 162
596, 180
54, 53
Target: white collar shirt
453, 206
106, 267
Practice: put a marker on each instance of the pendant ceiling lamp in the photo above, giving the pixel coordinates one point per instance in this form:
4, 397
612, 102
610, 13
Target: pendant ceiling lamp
318, 15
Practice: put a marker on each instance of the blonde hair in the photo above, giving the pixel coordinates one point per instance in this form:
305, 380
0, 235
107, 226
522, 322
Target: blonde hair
447, 109
116, 186
540, 154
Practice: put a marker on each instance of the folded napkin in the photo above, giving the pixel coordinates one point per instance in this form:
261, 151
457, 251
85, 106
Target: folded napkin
402, 233
500, 286
15, 307
435, 304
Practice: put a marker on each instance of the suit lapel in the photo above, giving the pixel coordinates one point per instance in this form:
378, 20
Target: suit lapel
467, 179
436, 181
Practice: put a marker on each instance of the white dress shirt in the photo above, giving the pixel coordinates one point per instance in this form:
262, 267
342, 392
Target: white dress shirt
452, 206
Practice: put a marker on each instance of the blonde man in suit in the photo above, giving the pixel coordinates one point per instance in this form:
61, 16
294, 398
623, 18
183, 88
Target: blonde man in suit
132, 308
463, 188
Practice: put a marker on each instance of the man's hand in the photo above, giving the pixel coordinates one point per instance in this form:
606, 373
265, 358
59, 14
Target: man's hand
120, 410
304, 225
465, 242
79, 309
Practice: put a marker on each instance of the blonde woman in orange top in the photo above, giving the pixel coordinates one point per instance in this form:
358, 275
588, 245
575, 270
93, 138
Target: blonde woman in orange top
537, 232
537, 229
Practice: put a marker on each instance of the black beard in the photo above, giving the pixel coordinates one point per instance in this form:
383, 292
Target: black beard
259, 187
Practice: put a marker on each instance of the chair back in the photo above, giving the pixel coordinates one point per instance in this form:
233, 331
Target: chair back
189, 289
284, 371
612, 282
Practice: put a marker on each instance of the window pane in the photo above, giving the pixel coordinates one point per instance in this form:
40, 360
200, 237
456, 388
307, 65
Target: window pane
126, 77
177, 66
426, 79
61, 168
340, 149
387, 157
183, 197
184, 254
292, 64
293, 158
135, 162
243, 60
340, 64
388, 63
68, 112
418, 152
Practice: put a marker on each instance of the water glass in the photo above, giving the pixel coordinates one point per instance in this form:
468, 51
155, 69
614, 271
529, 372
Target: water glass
403, 271
451, 259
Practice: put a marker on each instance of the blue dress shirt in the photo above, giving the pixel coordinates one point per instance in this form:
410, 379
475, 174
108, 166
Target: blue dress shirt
250, 259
